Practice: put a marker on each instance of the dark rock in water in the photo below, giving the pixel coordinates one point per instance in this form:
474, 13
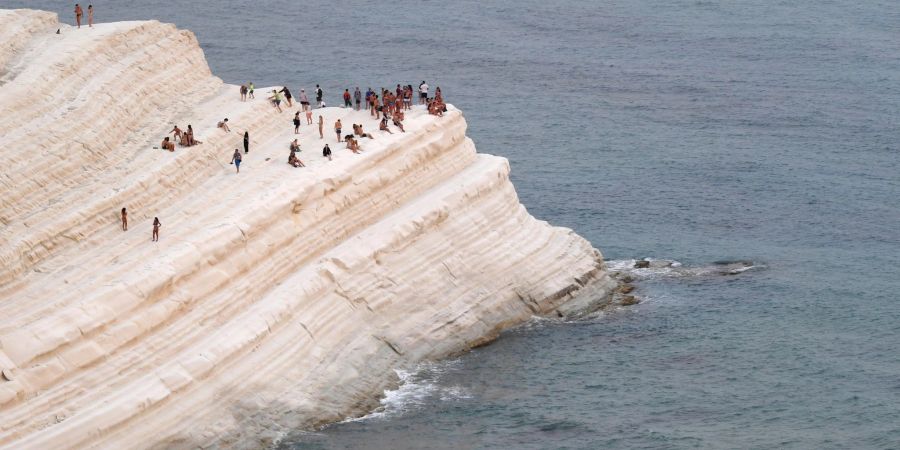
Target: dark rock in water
641, 264
629, 300
742, 263
628, 279
626, 288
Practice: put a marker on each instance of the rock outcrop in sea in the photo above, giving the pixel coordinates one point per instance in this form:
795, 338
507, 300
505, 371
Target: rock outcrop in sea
277, 298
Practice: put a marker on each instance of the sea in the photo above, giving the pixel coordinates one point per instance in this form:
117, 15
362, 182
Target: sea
692, 132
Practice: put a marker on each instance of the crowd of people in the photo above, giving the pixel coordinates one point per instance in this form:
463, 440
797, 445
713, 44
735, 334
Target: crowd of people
388, 106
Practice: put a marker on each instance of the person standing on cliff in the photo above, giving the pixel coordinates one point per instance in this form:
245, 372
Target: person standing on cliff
156, 225
78, 13
124, 220
347, 103
304, 100
250, 87
337, 129
91, 16
243, 92
246, 142
321, 124
357, 95
236, 160
297, 122
319, 96
423, 92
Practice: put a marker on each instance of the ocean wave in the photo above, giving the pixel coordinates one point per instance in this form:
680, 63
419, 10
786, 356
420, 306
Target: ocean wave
418, 386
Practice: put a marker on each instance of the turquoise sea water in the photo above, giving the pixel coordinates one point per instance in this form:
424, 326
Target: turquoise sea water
689, 130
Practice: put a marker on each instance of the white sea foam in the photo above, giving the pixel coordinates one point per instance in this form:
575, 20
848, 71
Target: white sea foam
663, 268
417, 386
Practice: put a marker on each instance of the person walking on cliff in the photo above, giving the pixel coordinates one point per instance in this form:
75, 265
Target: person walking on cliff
124, 220
236, 160
78, 13
276, 99
337, 129
246, 142
91, 16
250, 89
287, 96
156, 225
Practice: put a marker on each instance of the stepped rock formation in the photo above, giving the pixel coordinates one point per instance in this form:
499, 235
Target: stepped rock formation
275, 298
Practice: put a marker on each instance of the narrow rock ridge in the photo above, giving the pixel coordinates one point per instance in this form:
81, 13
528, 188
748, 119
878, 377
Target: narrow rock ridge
277, 298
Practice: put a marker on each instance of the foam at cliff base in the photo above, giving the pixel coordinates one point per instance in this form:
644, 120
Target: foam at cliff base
277, 298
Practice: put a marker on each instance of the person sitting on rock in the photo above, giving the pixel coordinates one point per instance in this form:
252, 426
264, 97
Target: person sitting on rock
397, 123
224, 125
384, 125
294, 161
326, 152
358, 130
352, 144
167, 144
295, 145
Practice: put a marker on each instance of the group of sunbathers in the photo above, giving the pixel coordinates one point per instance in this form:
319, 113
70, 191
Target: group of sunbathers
184, 137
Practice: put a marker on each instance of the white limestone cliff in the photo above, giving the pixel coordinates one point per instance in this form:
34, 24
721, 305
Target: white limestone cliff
276, 298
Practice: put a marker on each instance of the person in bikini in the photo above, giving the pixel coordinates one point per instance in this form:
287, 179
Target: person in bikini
309, 120
297, 123
78, 13
321, 124
294, 161
224, 125
167, 144
358, 130
91, 16
384, 125
124, 220
352, 144
397, 121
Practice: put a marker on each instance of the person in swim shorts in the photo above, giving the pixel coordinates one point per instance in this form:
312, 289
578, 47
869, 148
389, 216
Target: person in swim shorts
337, 129
236, 160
